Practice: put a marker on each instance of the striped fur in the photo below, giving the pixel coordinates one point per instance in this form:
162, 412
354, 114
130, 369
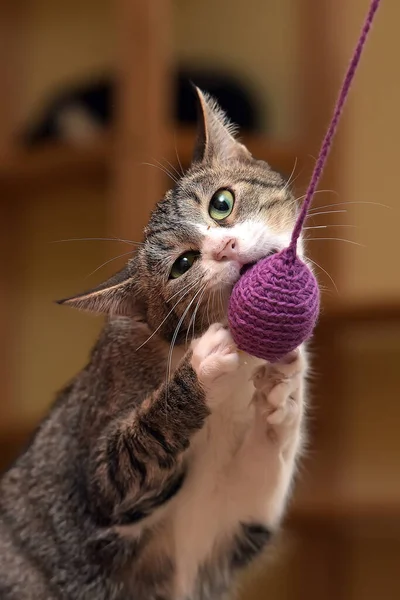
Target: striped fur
163, 468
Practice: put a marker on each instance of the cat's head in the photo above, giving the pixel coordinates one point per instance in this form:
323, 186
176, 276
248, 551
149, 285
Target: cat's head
226, 212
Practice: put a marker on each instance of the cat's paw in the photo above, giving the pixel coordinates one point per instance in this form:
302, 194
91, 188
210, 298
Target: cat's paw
215, 355
278, 388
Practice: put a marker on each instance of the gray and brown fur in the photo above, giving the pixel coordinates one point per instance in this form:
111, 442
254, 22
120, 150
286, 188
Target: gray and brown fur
84, 511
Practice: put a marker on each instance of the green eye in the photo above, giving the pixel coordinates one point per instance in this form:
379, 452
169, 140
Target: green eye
183, 264
221, 205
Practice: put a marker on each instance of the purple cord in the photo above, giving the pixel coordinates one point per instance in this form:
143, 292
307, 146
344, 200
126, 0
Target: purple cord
326, 144
274, 306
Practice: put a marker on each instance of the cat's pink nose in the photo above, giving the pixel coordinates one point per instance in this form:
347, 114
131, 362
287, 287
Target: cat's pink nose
226, 250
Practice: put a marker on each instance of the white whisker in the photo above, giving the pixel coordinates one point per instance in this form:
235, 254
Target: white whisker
170, 173
221, 304
181, 290
352, 202
327, 212
163, 321
193, 318
172, 167
177, 157
327, 226
107, 262
161, 168
318, 192
326, 273
335, 240
208, 310
291, 175
173, 340
98, 239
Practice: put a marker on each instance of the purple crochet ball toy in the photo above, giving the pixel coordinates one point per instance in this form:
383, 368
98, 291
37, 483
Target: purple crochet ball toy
274, 305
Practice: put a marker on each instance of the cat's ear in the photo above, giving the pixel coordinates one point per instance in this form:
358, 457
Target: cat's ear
216, 135
116, 296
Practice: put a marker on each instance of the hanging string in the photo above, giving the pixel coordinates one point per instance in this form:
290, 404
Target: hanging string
327, 142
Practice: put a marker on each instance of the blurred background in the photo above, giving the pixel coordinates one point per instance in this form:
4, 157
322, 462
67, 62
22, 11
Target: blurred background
93, 90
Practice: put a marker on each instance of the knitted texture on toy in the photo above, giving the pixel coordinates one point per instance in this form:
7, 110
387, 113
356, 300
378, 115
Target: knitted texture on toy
274, 306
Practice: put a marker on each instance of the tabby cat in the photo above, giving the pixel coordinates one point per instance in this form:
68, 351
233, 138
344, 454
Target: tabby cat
164, 467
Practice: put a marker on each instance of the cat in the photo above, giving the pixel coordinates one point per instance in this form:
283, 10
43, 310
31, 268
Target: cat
164, 467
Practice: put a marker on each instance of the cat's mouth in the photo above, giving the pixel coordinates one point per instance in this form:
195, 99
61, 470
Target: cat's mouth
232, 271
247, 267
251, 264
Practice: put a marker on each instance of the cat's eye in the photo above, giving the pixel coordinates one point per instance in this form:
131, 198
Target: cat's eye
183, 264
221, 205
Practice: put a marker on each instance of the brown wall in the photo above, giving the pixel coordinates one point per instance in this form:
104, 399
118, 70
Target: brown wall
370, 155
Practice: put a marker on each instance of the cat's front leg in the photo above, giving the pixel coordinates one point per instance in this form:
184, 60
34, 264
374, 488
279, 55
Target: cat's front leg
215, 357
264, 468
138, 464
279, 401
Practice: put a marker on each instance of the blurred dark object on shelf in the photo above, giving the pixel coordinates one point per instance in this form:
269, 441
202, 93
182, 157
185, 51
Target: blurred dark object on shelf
77, 113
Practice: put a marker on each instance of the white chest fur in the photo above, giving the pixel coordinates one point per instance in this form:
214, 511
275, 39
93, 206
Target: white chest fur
206, 511
240, 465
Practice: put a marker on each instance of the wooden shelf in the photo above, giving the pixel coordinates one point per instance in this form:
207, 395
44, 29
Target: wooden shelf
57, 162
372, 518
340, 312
